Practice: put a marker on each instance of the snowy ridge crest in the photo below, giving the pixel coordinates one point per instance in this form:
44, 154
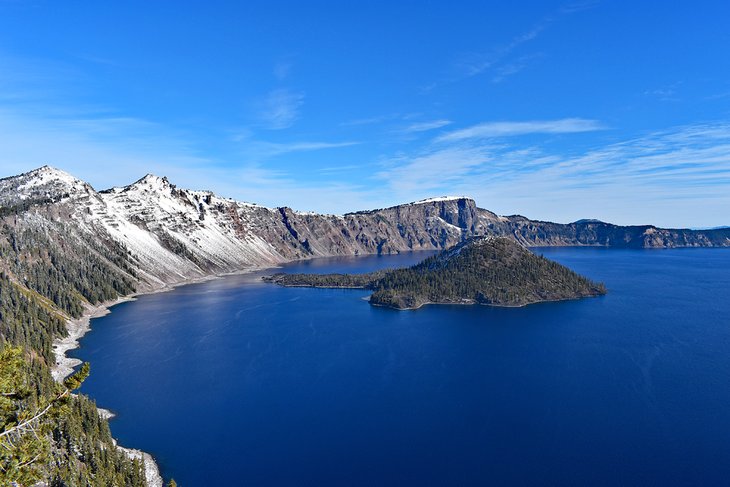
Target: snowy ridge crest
439, 199
43, 184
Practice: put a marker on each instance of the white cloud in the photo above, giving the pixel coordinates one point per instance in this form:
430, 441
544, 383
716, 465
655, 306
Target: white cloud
259, 150
431, 171
102, 151
506, 129
677, 177
117, 151
426, 126
281, 108
273, 188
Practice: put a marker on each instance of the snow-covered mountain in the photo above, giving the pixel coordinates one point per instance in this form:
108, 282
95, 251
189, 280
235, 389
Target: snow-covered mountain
157, 234
170, 235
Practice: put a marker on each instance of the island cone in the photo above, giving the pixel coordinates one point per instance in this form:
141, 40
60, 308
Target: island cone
482, 270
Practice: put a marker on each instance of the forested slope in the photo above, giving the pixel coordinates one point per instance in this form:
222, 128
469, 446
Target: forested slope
50, 436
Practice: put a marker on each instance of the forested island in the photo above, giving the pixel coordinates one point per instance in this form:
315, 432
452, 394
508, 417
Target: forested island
483, 270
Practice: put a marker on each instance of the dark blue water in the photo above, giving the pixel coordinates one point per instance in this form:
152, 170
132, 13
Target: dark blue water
237, 382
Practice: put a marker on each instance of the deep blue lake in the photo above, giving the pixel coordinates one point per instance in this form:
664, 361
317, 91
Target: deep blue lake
239, 382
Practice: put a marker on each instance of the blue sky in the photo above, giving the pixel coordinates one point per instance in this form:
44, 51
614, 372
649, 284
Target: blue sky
614, 110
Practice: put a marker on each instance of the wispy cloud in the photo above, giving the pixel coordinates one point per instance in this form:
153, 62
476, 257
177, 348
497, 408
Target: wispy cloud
660, 92
507, 129
718, 96
128, 148
499, 59
579, 6
262, 150
371, 120
426, 126
273, 187
432, 170
338, 169
665, 93
104, 61
668, 178
281, 108
476, 63
125, 147
34, 80
513, 67
309, 146
282, 70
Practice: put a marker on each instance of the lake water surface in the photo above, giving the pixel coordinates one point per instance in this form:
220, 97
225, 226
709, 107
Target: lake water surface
239, 382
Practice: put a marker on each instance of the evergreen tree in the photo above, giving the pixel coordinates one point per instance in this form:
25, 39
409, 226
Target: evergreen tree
490, 270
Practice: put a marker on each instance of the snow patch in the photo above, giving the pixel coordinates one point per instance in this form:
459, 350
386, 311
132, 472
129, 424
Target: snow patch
439, 199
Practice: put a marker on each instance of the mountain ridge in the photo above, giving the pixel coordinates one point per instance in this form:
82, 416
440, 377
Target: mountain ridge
167, 235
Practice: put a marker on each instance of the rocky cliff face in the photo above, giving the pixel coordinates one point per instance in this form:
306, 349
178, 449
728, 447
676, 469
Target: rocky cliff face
155, 234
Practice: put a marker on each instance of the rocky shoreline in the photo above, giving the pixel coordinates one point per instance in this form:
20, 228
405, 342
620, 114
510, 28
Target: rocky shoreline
64, 367
151, 470
77, 328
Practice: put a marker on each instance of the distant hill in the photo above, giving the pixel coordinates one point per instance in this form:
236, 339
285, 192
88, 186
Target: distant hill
483, 270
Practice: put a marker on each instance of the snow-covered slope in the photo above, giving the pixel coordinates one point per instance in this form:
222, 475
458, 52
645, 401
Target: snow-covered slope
179, 233
439, 198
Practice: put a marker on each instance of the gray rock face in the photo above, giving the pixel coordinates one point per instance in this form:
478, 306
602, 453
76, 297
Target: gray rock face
160, 234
